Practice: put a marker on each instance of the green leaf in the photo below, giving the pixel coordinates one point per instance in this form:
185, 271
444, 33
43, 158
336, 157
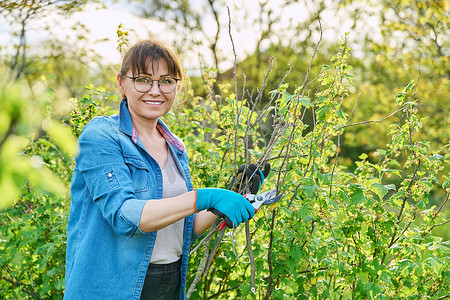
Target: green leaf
446, 184
326, 80
322, 252
363, 156
409, 86
308, 186
295, 253
305, 101
245, 289
304, 211
363, 277
320, 99
341, 114
285, 211
357, 197
309, 190
381, 190
322, 112
344, 196
421, 204
435, 264
324, 179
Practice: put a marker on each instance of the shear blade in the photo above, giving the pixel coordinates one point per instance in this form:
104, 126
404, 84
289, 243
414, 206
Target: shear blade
273, 200
268, 197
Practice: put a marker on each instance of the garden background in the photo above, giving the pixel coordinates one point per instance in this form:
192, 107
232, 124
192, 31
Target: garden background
348, 100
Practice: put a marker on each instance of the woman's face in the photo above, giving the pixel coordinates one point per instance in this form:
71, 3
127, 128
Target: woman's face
150, 105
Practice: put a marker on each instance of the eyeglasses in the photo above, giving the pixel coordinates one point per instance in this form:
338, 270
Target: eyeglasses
143, 84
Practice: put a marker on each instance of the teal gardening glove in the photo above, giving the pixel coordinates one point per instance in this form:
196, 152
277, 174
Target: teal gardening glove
231, 206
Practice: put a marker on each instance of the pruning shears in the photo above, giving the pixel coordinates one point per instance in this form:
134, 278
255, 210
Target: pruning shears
265, 198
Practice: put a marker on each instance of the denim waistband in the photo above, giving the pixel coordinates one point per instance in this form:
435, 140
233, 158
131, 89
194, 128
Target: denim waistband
175, 266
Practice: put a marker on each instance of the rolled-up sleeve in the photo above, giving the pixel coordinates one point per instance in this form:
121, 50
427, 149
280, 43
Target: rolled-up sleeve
108, 179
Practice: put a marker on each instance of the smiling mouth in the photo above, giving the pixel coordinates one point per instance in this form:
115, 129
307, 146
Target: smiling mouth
153, 102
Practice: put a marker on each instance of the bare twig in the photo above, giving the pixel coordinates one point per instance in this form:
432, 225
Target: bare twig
199, 272
235, 91
339, 146
213, 251
270, 284
251, 256
371, 121
435, 216
294, 126
211, 232
16, 283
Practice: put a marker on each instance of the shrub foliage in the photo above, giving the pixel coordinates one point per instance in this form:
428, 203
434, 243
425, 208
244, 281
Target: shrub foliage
337, 233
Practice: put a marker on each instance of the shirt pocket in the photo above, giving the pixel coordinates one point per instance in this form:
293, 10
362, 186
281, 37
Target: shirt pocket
140, 174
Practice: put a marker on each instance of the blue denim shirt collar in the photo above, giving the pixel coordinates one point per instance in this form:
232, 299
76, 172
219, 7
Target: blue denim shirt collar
127, 127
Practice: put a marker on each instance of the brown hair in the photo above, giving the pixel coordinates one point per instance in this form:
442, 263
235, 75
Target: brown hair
151, 51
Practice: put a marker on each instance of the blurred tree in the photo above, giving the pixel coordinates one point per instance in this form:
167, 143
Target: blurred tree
188, 20
19, 14
22, 118
412, 43
343, 227
394, 41
66, 67
203, 25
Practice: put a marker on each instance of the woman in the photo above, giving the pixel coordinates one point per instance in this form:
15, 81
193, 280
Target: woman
134, 211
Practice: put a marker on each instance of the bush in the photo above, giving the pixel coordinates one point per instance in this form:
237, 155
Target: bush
336, 233
33, 231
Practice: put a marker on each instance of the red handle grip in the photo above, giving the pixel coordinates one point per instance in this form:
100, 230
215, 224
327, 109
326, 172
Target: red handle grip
222, 226
225, 224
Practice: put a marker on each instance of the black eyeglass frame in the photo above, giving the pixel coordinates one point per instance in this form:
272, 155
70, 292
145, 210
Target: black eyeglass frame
151, 83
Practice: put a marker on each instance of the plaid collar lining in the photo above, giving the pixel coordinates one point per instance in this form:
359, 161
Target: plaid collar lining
167, 135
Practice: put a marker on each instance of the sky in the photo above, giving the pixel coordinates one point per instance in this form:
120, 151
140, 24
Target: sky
103, 23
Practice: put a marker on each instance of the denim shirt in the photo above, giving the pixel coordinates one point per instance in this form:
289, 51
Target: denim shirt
107, 253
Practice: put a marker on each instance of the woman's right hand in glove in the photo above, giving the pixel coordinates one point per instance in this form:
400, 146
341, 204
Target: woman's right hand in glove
231, 206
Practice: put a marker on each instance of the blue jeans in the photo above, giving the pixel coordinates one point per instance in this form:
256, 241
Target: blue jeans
162, 282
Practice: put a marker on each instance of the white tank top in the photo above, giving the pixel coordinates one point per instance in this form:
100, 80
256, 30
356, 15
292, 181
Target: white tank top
169, 240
